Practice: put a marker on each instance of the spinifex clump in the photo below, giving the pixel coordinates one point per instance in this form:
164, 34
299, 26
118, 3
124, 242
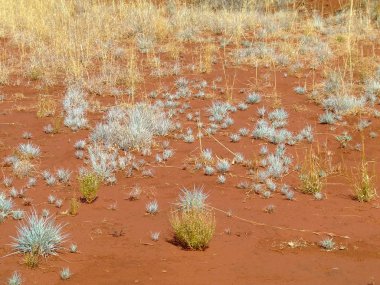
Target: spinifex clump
38, 236
132, 128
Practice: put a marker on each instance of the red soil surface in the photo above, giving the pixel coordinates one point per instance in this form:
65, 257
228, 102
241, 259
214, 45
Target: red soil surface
258, 249
255, 252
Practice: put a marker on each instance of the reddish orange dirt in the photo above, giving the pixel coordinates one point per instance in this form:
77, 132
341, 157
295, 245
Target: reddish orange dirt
249, 247
257, 249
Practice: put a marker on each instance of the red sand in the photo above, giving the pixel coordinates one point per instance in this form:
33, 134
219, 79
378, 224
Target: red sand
251, 254
256, 251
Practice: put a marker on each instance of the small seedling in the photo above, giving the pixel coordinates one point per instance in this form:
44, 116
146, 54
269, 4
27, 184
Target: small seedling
135, 193
8, 181
344, 139
155, 236
50, 181
223, 166
5, 204
45, 213
65, 273
238, 158
112, 206
58, 203
270, 209
289, 195
227, 231
63, 176
15, 279
27, 135
267, 194
221, 179
51, 199
48, 129
18, 214
147, 173
31, 182
73, 248
152, 207
79, 154
209, 170
253, 98
235, 138
327, 244
318, 196
243, 185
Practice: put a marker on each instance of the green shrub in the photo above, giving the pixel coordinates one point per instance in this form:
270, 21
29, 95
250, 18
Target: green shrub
193, 229
89, 184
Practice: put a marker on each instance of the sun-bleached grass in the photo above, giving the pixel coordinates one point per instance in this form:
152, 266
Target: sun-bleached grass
75, 38
311, 180
132, 128
363, 181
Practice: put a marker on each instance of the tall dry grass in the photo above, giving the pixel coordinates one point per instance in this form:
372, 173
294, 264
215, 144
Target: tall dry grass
74, 39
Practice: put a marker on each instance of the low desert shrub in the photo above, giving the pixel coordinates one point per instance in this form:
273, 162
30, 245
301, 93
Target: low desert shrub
193, 229
89, 183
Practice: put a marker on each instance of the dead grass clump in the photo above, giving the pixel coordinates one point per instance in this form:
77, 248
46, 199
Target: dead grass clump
312, 180
46, 106
364, 185
4, 74
74, 206
22, 168
32, 259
